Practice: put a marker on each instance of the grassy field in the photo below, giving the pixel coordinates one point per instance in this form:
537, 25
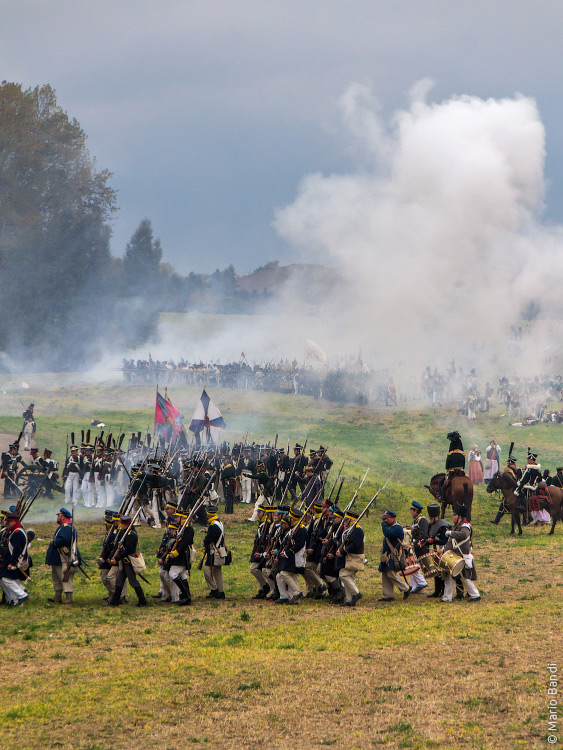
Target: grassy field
243, 674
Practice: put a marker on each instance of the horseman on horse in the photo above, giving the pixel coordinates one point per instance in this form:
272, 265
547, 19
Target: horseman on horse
453, 486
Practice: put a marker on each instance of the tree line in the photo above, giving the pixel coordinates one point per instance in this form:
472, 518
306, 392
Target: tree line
64, 299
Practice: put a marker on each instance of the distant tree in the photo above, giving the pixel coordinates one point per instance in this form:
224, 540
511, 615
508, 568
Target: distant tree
143, 253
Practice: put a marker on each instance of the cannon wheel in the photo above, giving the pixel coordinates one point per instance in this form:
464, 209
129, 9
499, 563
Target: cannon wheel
27, 479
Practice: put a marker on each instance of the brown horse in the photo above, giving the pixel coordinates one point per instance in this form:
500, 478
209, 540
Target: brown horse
507, 485
458, 492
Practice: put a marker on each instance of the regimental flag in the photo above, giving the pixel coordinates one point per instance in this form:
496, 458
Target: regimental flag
207, 421
168, 420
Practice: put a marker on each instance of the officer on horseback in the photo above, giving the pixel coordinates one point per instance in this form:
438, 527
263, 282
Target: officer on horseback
455, 461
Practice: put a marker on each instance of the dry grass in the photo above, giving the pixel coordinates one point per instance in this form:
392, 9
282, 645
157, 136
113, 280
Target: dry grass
247, 674
250, 675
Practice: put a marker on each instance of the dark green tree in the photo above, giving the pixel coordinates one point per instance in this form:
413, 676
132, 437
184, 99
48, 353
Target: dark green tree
54, 232
143, 253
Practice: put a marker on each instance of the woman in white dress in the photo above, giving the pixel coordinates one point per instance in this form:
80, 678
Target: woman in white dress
492, 461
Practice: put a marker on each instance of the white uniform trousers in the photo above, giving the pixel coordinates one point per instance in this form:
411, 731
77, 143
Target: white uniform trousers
100, 492
287, 584
110, 491
72, 488
13, 590
87, 491
246, 489
256, 571
176, 571
417, 580
348, 580
449, 587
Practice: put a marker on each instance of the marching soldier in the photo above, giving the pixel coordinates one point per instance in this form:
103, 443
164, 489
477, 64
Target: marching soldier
14, 563
350, 556
257, 559
165, 592
126, 549
99, 476
87, 486
177, 559
108, 572
214, 539
291, 558
72, 476
246, 468
228, 475
64, 557
49, 468
298, 464
328, 562
459, 541
315, 531
437, 538
392, 557
10, 461
419, 531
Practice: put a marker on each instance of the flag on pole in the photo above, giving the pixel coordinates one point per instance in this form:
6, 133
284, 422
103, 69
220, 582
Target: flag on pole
207, 421
168, 420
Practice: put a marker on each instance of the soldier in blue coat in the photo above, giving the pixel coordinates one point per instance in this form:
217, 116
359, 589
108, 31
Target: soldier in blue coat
350, 558
392, 556
63, 557
14, 562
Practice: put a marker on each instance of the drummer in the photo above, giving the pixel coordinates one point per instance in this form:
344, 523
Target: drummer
459, 542
436, 537
419, 531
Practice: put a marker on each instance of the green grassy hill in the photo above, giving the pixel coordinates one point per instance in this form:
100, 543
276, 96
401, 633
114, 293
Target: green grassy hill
243, 674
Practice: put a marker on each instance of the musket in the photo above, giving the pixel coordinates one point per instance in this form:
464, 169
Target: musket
334, 485
72, 562
365, 510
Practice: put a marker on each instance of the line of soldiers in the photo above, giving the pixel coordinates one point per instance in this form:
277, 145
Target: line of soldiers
318, 540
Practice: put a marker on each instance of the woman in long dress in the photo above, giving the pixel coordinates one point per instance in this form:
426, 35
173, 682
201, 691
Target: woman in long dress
491, 465
475, 471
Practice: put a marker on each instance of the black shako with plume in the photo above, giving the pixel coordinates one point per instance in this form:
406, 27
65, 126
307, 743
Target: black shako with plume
456, 456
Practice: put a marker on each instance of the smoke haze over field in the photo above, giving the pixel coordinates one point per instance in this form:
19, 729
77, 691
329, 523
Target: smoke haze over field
437, 235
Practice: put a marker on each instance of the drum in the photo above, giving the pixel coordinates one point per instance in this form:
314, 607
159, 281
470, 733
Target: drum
410, 569
451, 563
429, 565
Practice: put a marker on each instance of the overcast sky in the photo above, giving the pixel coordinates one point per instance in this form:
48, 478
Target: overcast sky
210, 114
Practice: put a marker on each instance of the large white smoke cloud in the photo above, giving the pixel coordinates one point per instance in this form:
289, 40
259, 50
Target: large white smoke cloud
438, 231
